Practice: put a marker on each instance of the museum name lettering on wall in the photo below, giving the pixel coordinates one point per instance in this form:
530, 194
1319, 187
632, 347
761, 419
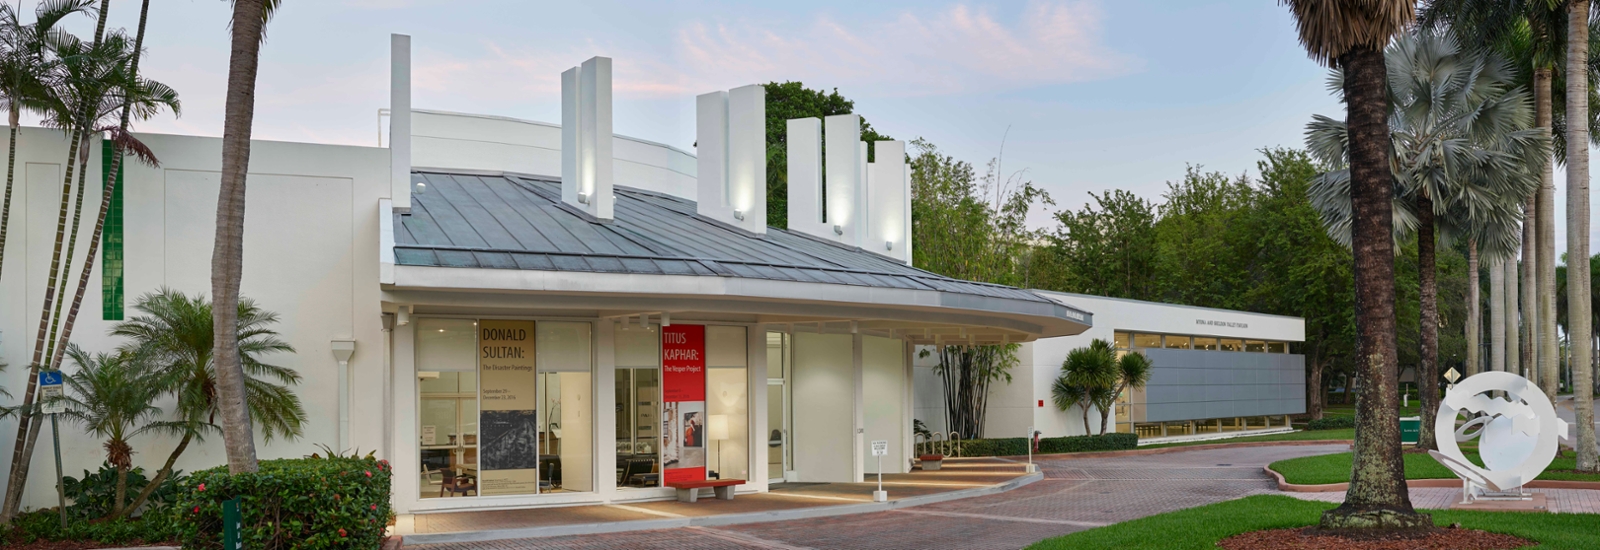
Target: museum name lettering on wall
1229, 324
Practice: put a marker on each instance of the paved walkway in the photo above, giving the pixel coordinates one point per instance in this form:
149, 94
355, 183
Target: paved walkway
1076, 494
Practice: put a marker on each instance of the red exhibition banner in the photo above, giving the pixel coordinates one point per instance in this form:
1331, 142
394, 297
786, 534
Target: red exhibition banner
683, 396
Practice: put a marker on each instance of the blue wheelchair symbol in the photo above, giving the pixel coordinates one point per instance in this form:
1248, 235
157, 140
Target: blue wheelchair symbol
50, 378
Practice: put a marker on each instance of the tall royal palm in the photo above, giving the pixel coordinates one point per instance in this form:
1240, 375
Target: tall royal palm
1578, 295
1352, 35
25, 61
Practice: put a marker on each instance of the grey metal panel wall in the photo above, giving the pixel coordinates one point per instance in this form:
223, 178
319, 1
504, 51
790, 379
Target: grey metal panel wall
1197, 384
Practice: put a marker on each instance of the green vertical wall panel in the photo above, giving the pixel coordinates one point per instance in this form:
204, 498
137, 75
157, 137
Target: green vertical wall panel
111, 289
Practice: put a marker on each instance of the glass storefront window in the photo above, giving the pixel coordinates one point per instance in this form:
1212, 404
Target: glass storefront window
447, 400
566, 440
1209, 344
1229, 344
779, 451
1177, 342
1122, 340
1277, 347
1147, 340
638, 393
1255, 346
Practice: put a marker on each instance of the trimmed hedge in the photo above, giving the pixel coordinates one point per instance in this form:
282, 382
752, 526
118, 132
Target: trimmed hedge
1018, 446
1332, 423
154, 527
305, 503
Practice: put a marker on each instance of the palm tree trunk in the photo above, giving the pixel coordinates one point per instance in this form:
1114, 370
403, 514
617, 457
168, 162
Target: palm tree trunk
1528, 352
1545, 268
161, 476
122, 490
27, 438
53, 351
1578, 288
1428, 290
227, 256
11, 172
1474, 328
109, 187
1377, 496
1513, 318
1497, 315
1316, 391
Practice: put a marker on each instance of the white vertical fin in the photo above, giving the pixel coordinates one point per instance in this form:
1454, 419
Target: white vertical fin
804, 152
747, 157
400, 121
586, 166
842, 159
711, 153
887, 197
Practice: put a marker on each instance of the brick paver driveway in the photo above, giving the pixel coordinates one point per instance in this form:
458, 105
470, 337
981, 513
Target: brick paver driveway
1075, 495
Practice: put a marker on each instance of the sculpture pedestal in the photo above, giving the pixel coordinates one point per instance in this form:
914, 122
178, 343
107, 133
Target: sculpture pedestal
1535, 504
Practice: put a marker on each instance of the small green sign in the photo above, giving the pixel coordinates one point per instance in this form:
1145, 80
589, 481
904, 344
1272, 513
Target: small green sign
231, 524
1410, 430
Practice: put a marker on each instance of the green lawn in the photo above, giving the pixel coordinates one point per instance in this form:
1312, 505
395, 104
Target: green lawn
1201, 528
1335, 468
1302, 435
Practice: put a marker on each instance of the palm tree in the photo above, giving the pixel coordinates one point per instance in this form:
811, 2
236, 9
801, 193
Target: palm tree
135, 97
24, 61
28, 426
1581, 330
114, 400
1132, 372
1089, 376
1353, 35
227, 256
174, 336
1464, 159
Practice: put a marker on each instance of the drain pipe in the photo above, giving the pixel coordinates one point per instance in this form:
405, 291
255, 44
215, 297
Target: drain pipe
342, 350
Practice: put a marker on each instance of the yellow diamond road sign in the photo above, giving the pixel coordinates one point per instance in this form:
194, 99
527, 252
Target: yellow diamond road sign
1452, 375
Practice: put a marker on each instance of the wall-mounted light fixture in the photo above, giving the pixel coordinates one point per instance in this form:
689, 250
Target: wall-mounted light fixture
838, 230
583, 198
888, 245
738, 214
422, 188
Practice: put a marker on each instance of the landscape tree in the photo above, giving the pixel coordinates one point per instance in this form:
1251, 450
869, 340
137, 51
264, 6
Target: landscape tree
1089, 377
1133, 371
1105, 248
173, 335
1578, 299
1353, 36
1466, 159
967, 372
227, 256
791, 100
112, 397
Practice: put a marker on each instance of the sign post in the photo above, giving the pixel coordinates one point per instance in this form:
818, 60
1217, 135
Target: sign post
50, 396
879, 448
231, 525
1033, 437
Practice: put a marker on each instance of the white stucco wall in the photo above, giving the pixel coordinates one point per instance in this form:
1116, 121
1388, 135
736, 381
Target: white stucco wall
310, 256
483, 142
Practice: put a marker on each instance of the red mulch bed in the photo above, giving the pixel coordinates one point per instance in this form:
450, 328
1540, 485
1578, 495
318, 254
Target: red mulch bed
1309, 538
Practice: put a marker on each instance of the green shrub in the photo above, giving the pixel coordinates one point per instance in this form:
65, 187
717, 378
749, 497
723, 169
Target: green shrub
45, 525
1087, 443
1018, 446
306, 503
1332, 423
91, 496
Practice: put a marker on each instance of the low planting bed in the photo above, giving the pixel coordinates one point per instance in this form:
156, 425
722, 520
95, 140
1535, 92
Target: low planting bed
1335, 468
1203, 527
305, 503
1018, 446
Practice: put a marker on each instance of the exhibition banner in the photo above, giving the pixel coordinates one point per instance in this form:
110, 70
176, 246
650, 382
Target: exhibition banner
508, 457
683, 384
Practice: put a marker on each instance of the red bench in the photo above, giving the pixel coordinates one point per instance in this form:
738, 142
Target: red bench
688, 491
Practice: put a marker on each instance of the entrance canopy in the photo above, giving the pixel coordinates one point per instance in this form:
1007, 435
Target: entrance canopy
485, 240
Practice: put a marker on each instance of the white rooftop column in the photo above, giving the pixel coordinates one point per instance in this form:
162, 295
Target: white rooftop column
731, 152
804, 151
400, 121
844, 161
586, 160
888, 202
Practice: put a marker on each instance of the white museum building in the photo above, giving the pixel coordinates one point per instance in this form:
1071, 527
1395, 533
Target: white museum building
552, 314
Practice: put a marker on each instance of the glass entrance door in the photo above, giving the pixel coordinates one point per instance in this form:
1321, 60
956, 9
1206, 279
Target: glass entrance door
780, 451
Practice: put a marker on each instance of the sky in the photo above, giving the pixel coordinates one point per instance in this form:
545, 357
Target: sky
1078, 96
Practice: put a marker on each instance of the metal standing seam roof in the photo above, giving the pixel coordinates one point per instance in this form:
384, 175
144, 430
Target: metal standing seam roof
505, 221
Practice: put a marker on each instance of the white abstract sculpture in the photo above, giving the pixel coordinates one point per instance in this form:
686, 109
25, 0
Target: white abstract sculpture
1517, 435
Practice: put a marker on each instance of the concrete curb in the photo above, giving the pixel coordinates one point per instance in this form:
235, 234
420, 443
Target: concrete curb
717, 520
1424, 484
1179, 449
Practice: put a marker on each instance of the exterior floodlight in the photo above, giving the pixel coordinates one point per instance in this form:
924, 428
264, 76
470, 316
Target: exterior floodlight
583, 198
422, 188
888, 245
738, 215
837, 230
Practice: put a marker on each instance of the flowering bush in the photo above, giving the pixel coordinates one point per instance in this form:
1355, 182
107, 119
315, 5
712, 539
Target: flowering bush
291, 503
